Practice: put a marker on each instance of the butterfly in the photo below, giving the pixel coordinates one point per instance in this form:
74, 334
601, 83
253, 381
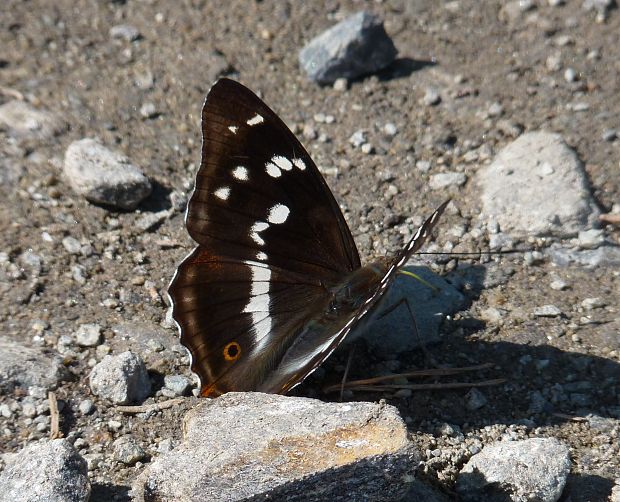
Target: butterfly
275, 283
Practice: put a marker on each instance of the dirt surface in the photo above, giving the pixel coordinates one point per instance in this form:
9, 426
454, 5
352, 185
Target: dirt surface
61, 57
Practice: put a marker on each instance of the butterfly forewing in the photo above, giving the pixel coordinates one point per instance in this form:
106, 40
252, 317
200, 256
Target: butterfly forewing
258, 194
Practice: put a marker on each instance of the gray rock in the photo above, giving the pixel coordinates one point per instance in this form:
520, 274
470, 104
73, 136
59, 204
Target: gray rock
86, 407
244, 445
24, 121
150, 221
120, 378
103, 176
178, 384
547, 311
603, 256
125, 31
396, 332
128, 451
356, 46
47, 471
22, 366
72, 245
440, 181
591, 239
88, 335
475, 399
533, 469
537, 186
431, 97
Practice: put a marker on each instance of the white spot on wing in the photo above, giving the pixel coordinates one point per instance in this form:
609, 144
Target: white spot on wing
258, 305
273, 170
255, 120
233, 129
259, 226
261, 256
240, 173
222, 193
282, 162
278, 214
300, 164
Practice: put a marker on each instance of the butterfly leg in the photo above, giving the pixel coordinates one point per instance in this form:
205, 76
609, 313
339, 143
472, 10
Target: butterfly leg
346, 373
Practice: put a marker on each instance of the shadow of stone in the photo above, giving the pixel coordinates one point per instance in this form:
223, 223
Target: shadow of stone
158, 200
402, 68
587, 488
104, 492
475, 487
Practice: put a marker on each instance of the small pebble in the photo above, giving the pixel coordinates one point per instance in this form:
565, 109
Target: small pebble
148, 110
558, 285
125, 31
390, 129
475, 399
570, 75
591, 239
358, 138
593, 303
341, 84
367, 148
547, 311
86, 407
88, 335
431, 97
72, 245
178, 384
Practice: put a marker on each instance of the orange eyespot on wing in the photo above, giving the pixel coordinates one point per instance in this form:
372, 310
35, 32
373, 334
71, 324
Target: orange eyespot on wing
232, 351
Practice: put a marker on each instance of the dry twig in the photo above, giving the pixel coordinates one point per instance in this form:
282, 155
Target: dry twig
145, 408
54, 415
613, 218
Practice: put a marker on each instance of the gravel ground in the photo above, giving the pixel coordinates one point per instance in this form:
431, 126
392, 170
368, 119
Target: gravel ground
470, 78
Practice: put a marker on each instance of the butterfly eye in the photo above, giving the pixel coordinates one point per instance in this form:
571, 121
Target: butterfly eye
232, 351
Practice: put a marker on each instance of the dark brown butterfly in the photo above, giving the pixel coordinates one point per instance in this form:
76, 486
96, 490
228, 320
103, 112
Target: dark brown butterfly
275, 283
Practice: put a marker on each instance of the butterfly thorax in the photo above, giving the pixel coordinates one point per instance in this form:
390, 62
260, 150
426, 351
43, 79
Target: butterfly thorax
357, 288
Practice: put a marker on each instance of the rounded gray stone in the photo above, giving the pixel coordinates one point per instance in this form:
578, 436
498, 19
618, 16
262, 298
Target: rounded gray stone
25, 121
120, 378
537, 186
128, 451
88, 335
104, 176
49, 470
533, 469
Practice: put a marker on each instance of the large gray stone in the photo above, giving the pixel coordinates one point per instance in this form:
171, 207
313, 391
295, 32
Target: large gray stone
396, 331
537, 186
520, 471
356, 46
25, 121
49, 471
245, 445
103, 176
22, 366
